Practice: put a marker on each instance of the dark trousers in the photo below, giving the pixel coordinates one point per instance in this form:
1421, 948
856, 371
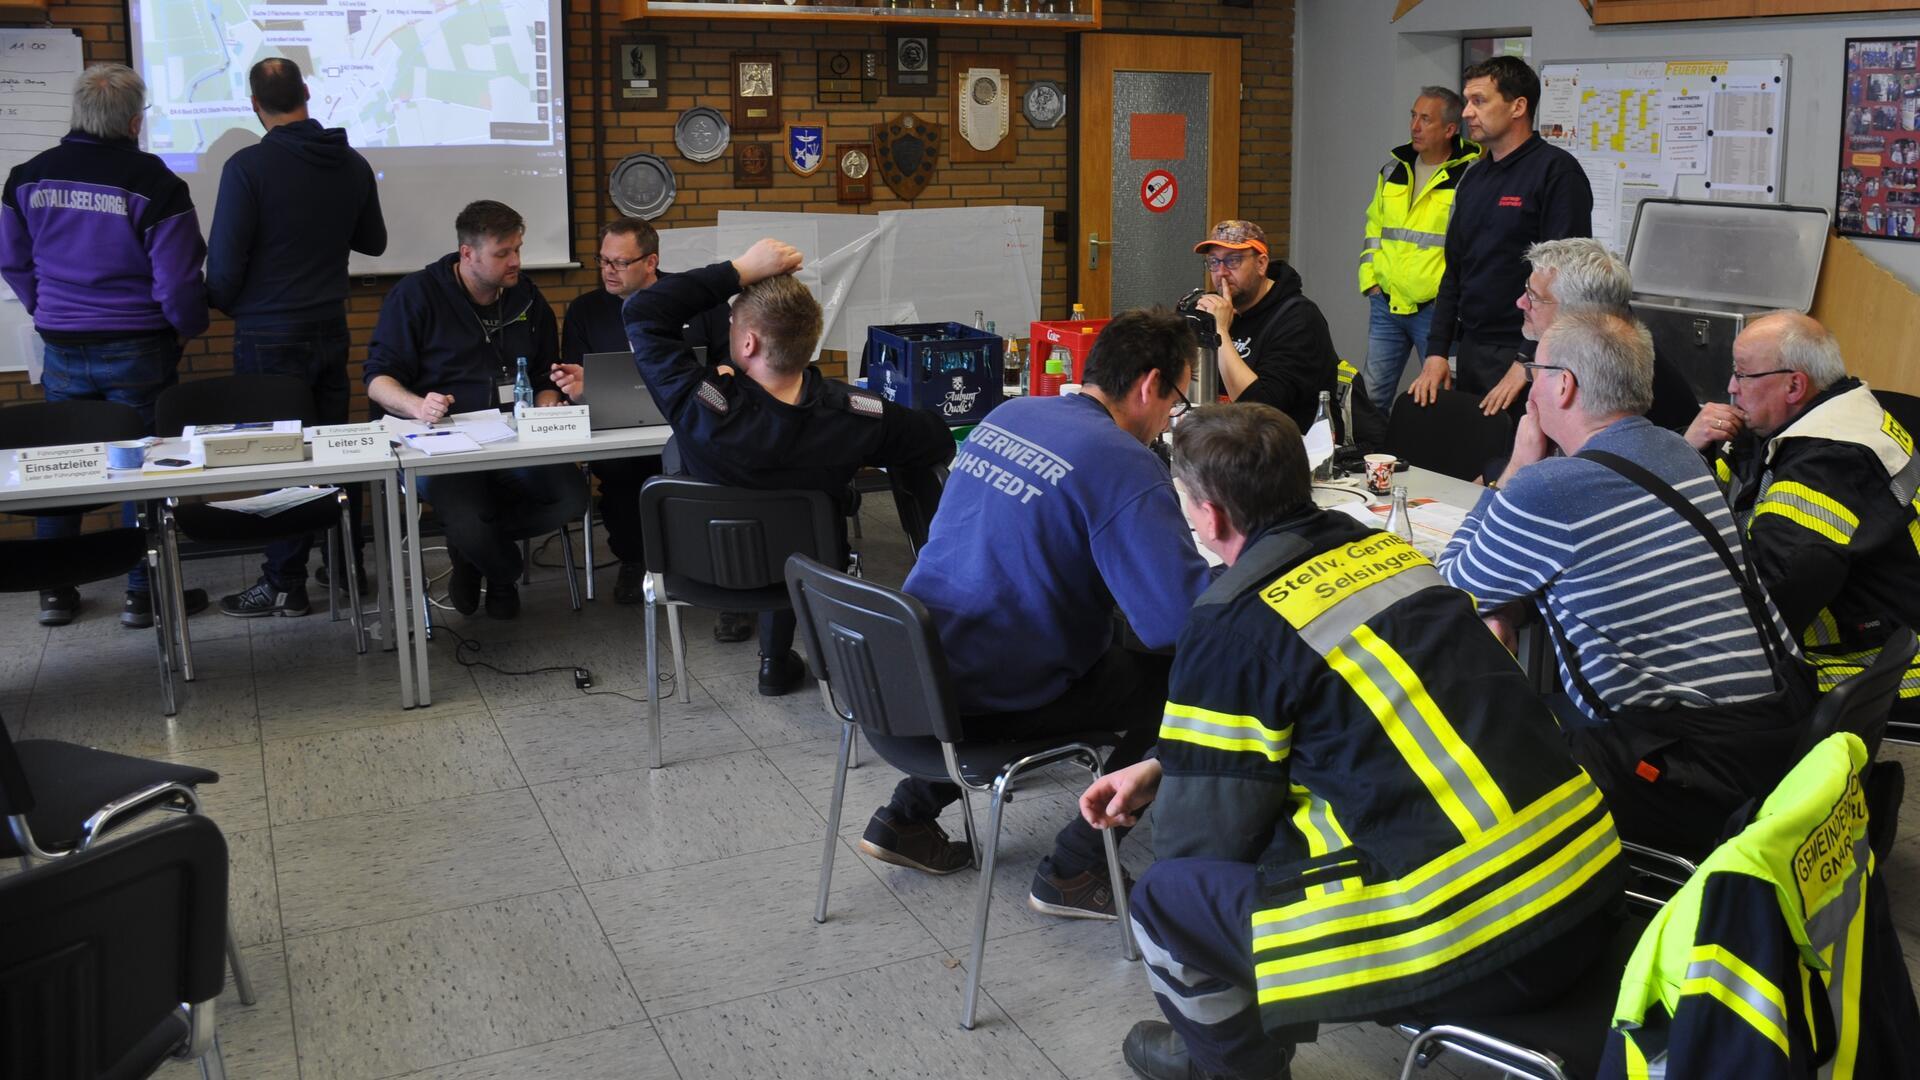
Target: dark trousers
1479, 367
130, 372
620, 481
486, 514
1123, 695
1657, 813
1191, 918
316, 354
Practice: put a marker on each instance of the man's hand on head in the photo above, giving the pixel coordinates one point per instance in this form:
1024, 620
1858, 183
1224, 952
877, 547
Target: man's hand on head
768, 258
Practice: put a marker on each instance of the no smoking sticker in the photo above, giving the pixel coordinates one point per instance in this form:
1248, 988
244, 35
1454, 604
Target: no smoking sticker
1159, 191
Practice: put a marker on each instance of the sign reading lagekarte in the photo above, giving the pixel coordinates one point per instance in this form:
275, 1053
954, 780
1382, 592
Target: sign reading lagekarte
555, 423
43, 466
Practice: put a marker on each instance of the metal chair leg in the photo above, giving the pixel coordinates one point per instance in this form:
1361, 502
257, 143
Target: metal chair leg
966, 823
176, 590
333, 581
682, 682
350, 562
212, 1065
242, 983
986, 900
653, 669
586, 528
1122, 904
833, 821
526, 562
160, 641
566, 557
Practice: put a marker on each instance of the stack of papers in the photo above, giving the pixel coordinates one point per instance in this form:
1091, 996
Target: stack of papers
447, 440
273, 502
1434, 522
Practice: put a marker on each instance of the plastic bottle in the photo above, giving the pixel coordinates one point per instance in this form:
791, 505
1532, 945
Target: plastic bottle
1055, 376
522, 388
1400, 521
1324, 415
1079, 313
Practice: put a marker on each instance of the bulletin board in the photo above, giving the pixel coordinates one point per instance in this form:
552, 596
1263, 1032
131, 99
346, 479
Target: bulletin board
1879, 188
1692, 127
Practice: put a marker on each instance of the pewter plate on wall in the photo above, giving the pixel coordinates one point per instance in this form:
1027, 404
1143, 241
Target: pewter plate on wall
1045, 104
642, 186
702, 134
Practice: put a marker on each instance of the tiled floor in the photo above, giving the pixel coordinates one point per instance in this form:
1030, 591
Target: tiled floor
498, 886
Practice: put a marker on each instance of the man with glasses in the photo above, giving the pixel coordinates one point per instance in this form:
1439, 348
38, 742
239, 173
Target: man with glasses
1822, 475
1618, 541
629, 261
1057, 512
1274, 344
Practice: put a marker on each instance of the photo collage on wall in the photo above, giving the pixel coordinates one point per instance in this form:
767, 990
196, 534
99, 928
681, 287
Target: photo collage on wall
1879, 191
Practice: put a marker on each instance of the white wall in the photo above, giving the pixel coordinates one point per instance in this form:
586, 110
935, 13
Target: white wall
1356, 74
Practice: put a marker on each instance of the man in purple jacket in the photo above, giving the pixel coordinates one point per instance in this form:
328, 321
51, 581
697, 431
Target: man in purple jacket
99, 240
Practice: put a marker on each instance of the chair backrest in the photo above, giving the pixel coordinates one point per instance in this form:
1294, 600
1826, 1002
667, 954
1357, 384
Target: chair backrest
98, 950
732, 538
233, 399
876, 650
1861, 704
55, 423
1450, 436
15, 796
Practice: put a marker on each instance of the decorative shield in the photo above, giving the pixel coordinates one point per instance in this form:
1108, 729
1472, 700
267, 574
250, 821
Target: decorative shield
906, 149
805, 147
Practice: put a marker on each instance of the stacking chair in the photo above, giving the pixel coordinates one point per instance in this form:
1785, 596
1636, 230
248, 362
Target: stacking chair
721, 548
237, 399
60, 798
1450, 436
882, 672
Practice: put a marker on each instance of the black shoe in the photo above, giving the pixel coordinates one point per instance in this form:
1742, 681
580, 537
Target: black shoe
59, 606
1086, 895
1157, 1052
503, 599
781, 674
630, 586
137, 613
264, 599
916, 846
463, 586
733, 627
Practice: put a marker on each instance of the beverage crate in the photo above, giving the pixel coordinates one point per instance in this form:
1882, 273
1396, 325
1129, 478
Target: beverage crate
1076, 336
948, 368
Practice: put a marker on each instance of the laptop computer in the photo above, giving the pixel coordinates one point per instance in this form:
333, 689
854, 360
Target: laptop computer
615, 396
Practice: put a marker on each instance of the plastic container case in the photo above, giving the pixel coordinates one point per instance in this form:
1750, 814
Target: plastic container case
949, 368
1702, 269
1076, 336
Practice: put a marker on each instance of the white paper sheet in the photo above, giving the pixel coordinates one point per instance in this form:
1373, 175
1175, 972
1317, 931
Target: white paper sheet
270, 503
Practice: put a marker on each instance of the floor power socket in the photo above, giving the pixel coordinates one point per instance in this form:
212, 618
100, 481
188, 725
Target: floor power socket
582, 679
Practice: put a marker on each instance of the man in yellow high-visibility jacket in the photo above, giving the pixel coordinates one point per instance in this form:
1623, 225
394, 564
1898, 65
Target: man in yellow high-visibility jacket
1403, 256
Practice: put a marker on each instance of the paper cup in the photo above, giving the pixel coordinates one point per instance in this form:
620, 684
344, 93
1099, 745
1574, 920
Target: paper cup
1380, 473
129, 454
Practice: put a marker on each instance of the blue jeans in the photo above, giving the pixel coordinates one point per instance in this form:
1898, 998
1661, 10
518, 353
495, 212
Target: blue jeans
1390, 338
131, 372
314, 352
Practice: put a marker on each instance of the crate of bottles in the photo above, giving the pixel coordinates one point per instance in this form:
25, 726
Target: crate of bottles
1076, 336
949, 368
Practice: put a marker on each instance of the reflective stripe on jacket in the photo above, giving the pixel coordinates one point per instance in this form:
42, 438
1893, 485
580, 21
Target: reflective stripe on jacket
1404, 251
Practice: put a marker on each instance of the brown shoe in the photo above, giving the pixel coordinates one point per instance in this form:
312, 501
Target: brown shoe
1086, 895
922, 847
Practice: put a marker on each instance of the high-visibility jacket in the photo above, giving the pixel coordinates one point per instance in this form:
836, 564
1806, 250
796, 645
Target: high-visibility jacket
1778, 958
1407, 229
1347, 723
1834, 530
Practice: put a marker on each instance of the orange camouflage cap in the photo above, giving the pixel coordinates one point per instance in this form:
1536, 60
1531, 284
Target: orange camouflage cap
1235, 235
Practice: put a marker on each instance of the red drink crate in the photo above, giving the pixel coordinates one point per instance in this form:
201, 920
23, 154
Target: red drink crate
1075, 336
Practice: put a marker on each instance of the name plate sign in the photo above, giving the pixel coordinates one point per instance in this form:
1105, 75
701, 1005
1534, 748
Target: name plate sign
555, 423
49, 466
351, 442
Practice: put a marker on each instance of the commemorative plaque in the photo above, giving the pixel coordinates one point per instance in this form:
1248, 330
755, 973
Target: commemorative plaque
752, 165
756, 92
853, 182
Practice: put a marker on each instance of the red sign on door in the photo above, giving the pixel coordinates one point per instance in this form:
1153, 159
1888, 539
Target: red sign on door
1159, 191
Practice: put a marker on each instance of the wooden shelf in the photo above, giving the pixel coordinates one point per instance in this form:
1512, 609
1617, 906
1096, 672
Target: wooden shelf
1087, 19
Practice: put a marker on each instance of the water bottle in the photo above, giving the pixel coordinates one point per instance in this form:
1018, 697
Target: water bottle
1323, 415
1400, 521
979, 319
1079, 313
522, 389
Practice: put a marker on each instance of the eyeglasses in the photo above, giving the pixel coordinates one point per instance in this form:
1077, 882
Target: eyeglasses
1224, 262
1535, 369
1535, 298
1742, 376
619, 264
1180, 403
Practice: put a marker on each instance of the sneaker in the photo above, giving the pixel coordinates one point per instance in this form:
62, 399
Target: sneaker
782, 674
463, 586
922, 847
59, 606
137, 613
264, 599
1086, 895
503, 599
733, 626
630, 586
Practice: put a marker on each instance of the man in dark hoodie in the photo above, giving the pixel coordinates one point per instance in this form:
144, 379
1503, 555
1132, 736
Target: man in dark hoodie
1274, 344
290, 207
449, 340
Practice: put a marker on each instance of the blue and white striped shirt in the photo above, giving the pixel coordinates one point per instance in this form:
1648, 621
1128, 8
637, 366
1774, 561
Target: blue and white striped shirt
1644, 600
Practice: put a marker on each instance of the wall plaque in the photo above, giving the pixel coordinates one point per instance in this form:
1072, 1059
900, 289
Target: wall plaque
756, 92
853, 182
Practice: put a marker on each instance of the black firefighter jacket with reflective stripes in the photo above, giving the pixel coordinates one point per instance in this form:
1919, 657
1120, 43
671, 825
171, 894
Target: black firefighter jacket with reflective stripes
1834, 530
1338, 713
731, 431
1778, 959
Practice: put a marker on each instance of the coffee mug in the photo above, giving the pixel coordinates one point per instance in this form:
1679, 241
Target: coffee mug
130, 454
1380, 473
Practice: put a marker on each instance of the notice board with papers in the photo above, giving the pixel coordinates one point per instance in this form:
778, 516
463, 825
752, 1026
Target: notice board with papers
1687, 127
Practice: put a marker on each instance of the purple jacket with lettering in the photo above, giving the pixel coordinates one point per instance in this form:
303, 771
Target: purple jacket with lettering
98, 236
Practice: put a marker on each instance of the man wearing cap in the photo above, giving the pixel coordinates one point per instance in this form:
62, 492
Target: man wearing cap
1274, 344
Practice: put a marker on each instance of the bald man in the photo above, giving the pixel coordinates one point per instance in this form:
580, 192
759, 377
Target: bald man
1823, 478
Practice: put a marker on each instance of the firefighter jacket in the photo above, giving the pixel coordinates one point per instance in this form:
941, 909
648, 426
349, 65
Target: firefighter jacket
1338, 715
1833, 529
1778, 958
1404, 252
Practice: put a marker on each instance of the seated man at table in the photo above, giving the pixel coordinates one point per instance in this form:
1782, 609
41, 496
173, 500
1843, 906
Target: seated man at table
1361, 809
1626, 548
1056, 512
776, 423
447, 341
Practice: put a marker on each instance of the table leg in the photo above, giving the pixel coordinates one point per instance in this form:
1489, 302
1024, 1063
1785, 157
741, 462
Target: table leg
393, 589
417, 582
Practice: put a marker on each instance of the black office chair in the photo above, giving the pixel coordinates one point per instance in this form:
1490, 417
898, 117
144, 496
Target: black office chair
60, 798
1450, 436
110, 960
882, 672
239, 399
32, 565
721, 548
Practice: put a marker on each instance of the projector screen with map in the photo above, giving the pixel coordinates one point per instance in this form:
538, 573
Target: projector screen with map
450, 101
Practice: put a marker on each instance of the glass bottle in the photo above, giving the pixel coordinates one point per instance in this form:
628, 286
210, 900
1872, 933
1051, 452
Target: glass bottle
1016, 378
1079, 313
522, 388
979, 319
1400, 521
1323, 415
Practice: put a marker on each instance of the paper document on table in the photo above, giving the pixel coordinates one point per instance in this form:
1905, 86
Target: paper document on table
486, 431
270, 503
1434, 522
441, 441
1319, 443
